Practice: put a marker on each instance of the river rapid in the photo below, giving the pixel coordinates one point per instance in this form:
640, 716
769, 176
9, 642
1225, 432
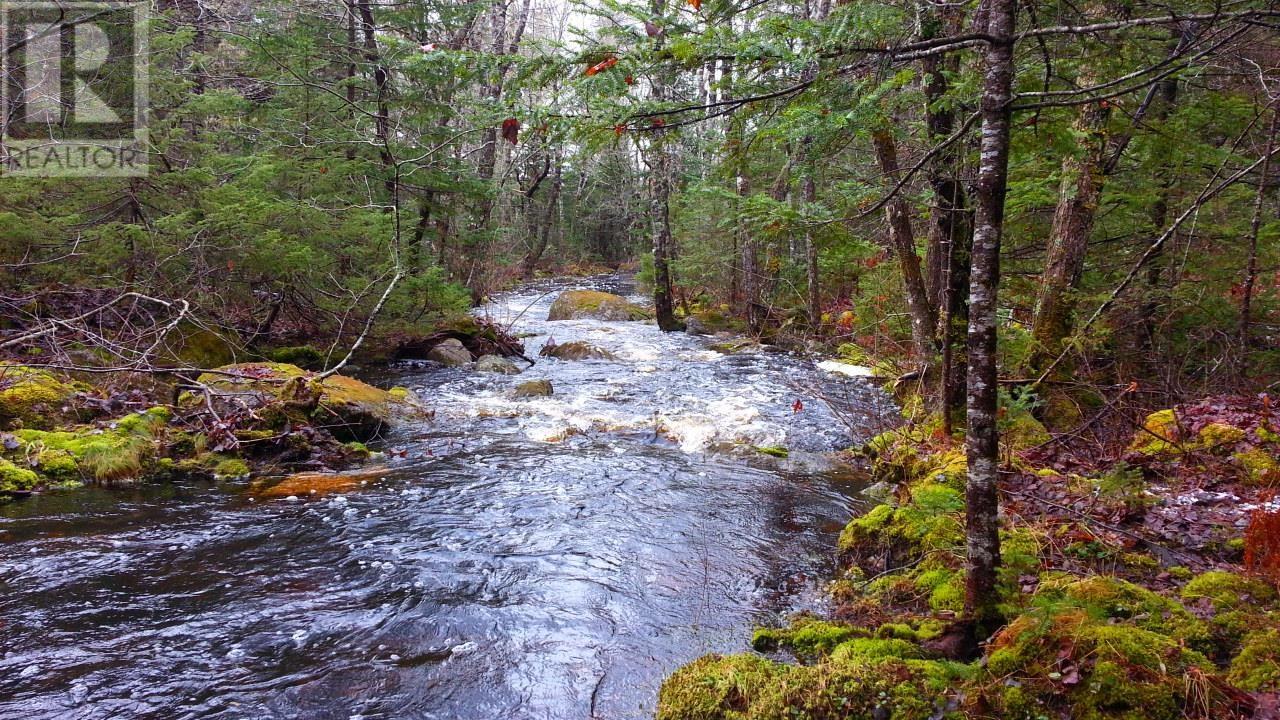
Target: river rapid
536, 558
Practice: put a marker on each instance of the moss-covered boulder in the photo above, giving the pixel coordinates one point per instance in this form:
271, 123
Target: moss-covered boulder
349, 408
35, 398
14, 479
864, 678
1257, 667
121, 450
576, 350
1066, 662
304, 356
595, 305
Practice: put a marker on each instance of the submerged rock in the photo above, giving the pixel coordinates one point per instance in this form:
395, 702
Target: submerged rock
534, 388
318, 483
496, 364
450, 353
576, 350
595, 305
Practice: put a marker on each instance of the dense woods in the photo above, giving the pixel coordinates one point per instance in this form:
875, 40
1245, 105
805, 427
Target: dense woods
1039, 224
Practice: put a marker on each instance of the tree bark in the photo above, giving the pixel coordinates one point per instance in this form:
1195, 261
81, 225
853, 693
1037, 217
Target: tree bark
982, 499
1251, 267
902, 241
1081, 189
531, 259
660, 180
809, 195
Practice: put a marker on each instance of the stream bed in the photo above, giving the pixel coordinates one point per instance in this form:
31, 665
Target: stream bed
535, 558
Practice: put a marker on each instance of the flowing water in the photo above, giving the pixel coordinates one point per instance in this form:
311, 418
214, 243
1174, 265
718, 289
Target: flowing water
542, 558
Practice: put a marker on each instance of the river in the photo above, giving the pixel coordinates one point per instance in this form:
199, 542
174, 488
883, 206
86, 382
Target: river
543, 558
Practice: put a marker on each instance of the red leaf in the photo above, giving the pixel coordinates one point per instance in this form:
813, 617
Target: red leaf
619, 129
651, 30
511, 130
602, 65
659, 122
629, 80
697, 4
797, 406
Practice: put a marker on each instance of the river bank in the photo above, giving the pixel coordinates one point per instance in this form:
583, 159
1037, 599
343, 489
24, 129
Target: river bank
1138, 587
525, 557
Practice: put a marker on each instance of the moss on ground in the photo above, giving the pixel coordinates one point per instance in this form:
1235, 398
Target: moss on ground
34, 398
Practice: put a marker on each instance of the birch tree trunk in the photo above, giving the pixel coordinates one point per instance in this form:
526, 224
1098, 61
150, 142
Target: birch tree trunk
982, 499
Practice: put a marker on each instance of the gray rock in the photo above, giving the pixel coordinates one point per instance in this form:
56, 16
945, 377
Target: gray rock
450, 353
881, 492
694, 326
534, 388
497, 364
576, 350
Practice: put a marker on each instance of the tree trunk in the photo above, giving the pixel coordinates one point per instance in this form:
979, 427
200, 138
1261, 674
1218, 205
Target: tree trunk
809, 195
902, 240
1082, 181
982, 499
660, 180
544, 236
950, 228
1251, 267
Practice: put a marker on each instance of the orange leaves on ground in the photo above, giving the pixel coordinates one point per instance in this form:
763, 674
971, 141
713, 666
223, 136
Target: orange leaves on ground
511, 130
1262, 543
697, 4
602, 66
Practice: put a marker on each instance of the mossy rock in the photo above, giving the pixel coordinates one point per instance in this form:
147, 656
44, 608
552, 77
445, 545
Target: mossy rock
595, 305
1051, 662
1260, 467
1257, 667
1160, 433
805, 636
194, 346
304, 356
534, 388
118, 451
351, 409
35, 398
1229, 591
929, 520
864, 681
14, 479
1114, 600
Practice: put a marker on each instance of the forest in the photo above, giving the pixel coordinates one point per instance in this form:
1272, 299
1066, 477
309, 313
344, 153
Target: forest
689, 359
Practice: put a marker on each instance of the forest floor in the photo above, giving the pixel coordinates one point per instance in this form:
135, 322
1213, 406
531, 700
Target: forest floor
1138, 581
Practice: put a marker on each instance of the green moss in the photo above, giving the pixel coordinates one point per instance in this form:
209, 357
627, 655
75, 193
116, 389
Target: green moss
16, 479
1216, 435
805, 636
1110, 599
773, 450
1260, 466
1257, 667
231, 468
1091, 668
875, 648
304, 356
1228, 591
1159, 433
33, 398
116, 452
856, 685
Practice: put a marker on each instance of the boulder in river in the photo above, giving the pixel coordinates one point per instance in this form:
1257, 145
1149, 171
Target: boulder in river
595, 305
496, 364
450, 352
576, 350
349, 408
534, 388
